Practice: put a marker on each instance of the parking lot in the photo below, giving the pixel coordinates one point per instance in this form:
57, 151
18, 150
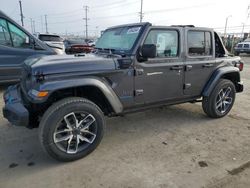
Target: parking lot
175, 146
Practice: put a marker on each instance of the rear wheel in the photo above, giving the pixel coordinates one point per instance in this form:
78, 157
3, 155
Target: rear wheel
71, 129
221, 100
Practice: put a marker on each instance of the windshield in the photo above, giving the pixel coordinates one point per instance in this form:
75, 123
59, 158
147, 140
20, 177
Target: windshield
122, 38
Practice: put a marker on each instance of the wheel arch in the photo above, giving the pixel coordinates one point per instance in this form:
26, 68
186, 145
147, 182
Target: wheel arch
230, 73
95, 89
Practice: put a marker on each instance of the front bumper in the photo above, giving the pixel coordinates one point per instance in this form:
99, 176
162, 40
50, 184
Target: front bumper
14, 110
242, 50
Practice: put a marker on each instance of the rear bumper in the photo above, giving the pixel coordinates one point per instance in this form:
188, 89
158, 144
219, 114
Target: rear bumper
14, 110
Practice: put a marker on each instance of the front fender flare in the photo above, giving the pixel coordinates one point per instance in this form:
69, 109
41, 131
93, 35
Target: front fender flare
216, 76
105, 88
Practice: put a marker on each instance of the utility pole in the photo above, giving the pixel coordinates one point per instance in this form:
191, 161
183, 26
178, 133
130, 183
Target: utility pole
86, 20
31, 25
140, 13
34, 26
46, 24
21, 12
225, 31
42, 23
242, 32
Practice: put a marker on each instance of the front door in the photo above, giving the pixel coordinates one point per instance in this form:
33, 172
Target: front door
160, 78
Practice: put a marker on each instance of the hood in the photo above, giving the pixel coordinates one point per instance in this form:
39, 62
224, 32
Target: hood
62, 64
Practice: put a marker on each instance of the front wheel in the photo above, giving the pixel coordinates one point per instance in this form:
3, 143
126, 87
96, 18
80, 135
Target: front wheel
71, 128
221, 99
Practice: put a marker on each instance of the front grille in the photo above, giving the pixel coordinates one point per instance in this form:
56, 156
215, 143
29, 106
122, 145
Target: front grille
246, 45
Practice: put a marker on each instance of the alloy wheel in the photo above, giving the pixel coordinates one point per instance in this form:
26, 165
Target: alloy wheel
75, 132
224, 100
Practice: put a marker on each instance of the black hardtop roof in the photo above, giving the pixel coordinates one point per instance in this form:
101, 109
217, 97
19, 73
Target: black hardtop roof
150, 24
131, 24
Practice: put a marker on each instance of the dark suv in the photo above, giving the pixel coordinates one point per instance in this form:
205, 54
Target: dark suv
134, 67
16, 44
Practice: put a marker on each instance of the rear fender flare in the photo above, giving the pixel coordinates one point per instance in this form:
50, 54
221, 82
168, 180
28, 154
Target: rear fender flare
219, 73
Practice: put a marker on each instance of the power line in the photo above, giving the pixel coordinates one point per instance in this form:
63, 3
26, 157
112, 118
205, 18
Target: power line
62, 13
122, 3
176, 9
103, 17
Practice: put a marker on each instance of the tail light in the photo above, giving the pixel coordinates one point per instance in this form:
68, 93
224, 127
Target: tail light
240, 65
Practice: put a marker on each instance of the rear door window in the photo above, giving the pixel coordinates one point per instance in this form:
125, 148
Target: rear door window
199, 43
4, 33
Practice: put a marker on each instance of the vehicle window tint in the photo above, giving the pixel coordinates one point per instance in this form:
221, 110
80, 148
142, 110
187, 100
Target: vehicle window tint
4, 33
19, 38
166, 42
199, 43
53, 38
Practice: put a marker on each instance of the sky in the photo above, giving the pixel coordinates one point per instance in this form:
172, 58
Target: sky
66, 16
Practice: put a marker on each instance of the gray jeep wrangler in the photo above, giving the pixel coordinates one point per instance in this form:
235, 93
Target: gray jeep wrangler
134, 67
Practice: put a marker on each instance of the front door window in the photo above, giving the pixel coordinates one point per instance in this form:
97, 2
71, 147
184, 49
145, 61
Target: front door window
4, 33
19, 38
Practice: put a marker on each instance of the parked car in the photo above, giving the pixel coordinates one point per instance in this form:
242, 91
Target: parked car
53, 41
77, 46
16, 44
91, 43
135, 67
242, 47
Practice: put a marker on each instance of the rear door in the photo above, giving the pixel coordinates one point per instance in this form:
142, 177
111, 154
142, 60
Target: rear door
161, 78
200, 59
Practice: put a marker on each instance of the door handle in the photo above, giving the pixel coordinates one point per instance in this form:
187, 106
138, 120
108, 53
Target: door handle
207, 65
176, 68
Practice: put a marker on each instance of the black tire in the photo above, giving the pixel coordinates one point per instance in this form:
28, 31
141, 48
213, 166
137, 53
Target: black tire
236, 53
57, 121
209, 103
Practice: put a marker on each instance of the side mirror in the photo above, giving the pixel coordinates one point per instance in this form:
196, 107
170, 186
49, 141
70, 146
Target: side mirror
27, 40
148, 51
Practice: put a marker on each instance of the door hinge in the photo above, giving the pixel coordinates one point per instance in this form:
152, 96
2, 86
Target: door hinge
187, 85
138, 92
